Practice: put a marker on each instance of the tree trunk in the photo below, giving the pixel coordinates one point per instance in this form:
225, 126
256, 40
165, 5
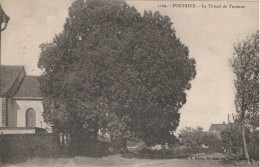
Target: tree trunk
244, 143
62, 138
124, 147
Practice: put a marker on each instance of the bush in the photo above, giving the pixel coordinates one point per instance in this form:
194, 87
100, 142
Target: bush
156, 154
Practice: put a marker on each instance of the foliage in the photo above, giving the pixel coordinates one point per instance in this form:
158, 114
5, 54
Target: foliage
156, 154
197, 141
213, 142
115, 70
191, 138
232, 136
245, 65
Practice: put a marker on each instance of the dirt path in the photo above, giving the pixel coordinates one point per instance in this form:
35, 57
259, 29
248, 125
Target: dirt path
118, 161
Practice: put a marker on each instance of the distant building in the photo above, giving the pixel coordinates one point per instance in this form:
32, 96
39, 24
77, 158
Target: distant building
218, 127
21, 105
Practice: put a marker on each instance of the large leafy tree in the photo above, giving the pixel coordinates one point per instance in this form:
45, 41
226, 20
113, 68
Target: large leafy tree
245, 65
116, 70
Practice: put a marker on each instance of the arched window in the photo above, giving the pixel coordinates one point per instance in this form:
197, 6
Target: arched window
30, 118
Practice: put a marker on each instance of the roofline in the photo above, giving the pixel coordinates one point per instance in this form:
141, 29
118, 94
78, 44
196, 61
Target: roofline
20, 72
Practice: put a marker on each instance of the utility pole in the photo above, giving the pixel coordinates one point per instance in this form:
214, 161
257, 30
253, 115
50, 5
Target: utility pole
3, 24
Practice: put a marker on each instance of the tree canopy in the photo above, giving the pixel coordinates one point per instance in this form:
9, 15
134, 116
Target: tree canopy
245, 65
116, 70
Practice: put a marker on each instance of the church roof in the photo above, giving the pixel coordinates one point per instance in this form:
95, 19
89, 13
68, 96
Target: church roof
218, 127
8, 75
30, 87
15, 83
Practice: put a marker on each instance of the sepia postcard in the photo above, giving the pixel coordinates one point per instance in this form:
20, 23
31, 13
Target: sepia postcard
108, 83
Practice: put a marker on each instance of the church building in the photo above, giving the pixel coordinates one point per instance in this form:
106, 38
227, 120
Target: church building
21, 105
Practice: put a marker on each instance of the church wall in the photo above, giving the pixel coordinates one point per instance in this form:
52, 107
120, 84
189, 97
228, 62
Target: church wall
11, 114
21, 106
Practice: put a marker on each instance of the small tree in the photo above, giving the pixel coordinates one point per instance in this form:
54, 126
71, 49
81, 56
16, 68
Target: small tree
245, 65
213, 142
191, 138
197, 141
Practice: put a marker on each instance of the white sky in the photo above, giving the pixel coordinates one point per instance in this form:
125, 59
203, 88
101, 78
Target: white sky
209, 34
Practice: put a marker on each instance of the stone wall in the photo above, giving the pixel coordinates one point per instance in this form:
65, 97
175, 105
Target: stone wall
0, 111
20, 147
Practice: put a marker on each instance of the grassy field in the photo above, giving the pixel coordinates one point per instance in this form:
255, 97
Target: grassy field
118, 161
